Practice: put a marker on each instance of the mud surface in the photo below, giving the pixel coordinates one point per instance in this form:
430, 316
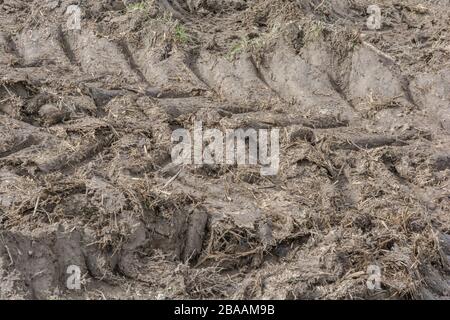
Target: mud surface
86, 177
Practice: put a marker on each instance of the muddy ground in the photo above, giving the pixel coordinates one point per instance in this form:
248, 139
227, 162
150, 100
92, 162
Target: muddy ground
86, 176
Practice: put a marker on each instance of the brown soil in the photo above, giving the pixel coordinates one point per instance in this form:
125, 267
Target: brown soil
86, 177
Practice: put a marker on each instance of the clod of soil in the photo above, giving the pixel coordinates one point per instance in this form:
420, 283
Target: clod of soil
86, 177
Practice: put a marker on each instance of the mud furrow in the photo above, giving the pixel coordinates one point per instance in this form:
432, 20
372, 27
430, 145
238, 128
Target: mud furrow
17, 147
123, 46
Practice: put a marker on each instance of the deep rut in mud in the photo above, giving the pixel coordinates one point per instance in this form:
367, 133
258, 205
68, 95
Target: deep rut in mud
87, 180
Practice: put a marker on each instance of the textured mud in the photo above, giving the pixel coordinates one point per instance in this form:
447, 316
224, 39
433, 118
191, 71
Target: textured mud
86, 177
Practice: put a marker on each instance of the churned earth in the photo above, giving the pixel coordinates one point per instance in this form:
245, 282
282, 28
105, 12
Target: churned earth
87, 180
